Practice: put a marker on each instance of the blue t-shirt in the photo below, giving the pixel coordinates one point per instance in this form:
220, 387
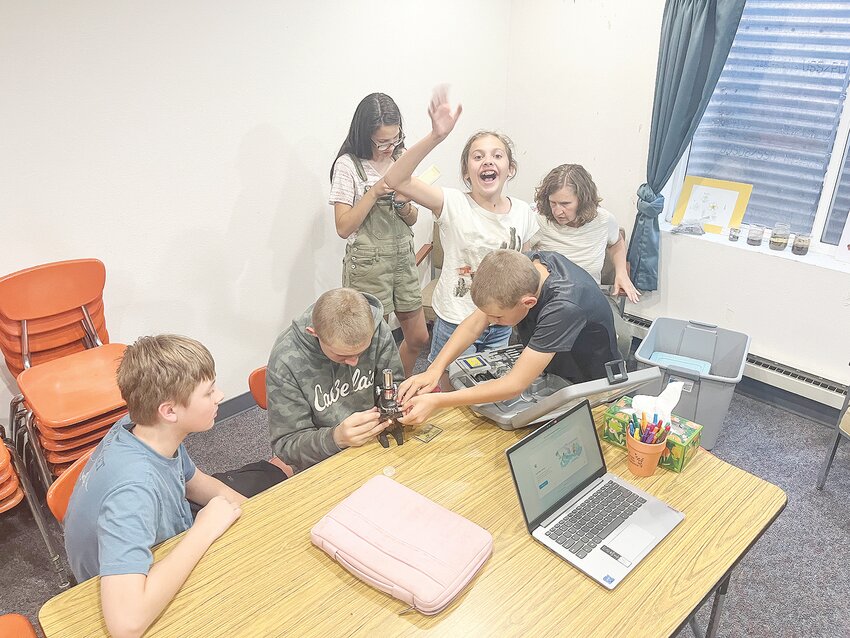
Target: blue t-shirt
127, 499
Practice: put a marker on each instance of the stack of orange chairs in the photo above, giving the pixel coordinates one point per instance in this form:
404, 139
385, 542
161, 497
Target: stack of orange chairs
15, 486
10, 488
54, 340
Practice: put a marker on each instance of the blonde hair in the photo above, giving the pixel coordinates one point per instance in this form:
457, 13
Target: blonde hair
573, 176
162, 368
464, 156
504, 277
343, 316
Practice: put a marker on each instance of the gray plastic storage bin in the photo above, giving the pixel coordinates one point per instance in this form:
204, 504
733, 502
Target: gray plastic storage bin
706, 397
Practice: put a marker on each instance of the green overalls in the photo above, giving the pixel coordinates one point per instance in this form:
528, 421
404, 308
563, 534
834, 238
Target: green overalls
381, 260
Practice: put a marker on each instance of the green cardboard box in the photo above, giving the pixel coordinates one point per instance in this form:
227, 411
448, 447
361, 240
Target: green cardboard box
682, 442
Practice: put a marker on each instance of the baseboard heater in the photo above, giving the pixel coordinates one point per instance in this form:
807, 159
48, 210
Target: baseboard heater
779, 375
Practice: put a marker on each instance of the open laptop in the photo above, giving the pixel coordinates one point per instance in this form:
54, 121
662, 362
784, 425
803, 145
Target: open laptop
591, 518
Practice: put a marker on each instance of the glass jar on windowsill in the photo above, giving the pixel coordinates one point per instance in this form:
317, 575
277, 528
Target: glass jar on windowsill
779, 237
801, 243
755, 234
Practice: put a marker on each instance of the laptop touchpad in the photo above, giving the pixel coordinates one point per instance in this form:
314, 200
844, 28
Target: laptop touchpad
631, 542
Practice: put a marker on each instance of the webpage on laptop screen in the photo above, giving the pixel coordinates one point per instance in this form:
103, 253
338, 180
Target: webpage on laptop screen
552, 464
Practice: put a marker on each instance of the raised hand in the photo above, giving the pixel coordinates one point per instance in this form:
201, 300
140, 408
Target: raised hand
443, 117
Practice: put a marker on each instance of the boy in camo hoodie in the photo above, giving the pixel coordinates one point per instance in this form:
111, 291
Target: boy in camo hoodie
321, 376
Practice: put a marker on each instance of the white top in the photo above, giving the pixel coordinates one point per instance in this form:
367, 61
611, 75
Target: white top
346, 185
585, 245
468, 233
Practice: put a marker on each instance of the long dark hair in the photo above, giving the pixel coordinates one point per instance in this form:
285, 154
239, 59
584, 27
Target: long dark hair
375, 110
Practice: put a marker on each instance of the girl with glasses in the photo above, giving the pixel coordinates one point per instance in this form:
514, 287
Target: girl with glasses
471, 222
379, 258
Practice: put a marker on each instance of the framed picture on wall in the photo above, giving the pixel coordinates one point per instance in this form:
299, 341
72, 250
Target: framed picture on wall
715, 203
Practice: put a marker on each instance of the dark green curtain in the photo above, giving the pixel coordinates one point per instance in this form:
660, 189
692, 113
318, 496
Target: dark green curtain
696, 36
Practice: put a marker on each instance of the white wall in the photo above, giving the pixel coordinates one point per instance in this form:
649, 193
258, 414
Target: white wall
187, 145
795, 312
580, 89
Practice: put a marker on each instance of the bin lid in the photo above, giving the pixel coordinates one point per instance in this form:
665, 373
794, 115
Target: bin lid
666, 359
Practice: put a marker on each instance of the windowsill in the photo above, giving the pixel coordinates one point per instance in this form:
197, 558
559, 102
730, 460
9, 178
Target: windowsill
812, 258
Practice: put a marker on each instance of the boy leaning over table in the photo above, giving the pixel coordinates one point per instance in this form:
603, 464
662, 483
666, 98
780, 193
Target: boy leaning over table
561, 315
132, 493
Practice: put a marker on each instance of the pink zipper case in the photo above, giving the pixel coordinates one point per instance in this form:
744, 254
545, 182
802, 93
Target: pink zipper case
404, 544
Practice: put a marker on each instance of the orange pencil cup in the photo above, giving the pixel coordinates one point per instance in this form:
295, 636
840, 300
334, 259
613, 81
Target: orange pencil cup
643, 457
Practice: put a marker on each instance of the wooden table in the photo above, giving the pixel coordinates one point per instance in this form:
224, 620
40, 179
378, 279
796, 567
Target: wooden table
265, 578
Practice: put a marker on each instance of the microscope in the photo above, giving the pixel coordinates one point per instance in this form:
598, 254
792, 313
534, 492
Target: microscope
386, 398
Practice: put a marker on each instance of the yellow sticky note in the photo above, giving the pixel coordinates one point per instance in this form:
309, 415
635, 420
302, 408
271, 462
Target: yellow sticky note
430, 175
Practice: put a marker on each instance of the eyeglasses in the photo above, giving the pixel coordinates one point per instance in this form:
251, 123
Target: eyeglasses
385, 146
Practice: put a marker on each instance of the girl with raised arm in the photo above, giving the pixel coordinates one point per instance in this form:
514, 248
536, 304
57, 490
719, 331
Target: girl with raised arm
472, 223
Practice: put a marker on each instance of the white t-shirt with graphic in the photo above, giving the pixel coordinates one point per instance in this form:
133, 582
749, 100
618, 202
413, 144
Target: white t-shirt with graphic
346, 185
468, 233
584, 246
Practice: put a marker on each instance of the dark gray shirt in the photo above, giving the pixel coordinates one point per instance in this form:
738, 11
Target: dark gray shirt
573, 319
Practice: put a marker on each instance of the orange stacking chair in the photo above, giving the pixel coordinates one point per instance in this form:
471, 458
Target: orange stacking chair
52, 335
46, 344
60, 491
47, 312
51, 310
257, 385
15, 486
72, 402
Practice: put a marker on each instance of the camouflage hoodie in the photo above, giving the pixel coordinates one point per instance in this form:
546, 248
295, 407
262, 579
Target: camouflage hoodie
308, 394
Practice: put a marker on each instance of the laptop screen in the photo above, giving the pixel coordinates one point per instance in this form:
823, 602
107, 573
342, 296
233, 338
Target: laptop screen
556, 462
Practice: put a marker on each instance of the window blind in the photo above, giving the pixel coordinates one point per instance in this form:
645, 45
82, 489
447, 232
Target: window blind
772, 119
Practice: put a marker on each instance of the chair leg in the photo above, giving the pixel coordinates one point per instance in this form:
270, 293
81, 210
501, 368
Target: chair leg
14, 407
35, 507
830, 454
91, 331
40, 461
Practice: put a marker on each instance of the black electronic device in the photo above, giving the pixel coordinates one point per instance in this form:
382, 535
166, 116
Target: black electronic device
386, 399
548, 395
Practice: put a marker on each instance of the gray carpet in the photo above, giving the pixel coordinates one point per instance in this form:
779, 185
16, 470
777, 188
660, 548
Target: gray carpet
793, 582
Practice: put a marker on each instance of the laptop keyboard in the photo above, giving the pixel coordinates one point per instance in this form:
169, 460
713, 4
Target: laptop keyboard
593, 521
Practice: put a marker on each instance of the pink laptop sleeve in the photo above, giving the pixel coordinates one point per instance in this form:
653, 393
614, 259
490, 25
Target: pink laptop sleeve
403, 544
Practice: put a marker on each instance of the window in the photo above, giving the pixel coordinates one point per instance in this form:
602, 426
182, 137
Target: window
777, 118
840, 205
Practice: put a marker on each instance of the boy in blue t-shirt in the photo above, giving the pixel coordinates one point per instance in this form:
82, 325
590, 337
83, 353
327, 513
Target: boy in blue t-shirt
132, 493
562, 318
